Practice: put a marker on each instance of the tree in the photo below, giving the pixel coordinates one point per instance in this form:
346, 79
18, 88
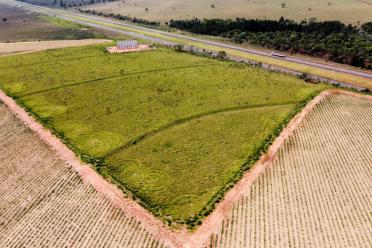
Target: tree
147, 9
213, 6
284, 5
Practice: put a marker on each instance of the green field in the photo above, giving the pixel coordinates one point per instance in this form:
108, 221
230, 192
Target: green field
172, 128
348, 11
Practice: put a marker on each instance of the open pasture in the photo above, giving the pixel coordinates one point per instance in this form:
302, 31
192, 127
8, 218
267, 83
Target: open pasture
348, 11
317, 191
172, 128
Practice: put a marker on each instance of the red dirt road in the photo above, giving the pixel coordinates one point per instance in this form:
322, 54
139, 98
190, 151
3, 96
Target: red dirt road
129, 207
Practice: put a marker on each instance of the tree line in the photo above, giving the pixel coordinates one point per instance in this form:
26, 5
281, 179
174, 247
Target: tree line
331, 40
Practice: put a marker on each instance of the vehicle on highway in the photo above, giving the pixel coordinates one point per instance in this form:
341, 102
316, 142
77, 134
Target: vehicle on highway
274, 54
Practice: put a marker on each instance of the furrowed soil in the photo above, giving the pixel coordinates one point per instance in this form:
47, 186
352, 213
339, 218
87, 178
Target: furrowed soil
316, 192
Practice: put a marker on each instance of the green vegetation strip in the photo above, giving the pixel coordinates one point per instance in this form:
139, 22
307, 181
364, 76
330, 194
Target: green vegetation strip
174, 139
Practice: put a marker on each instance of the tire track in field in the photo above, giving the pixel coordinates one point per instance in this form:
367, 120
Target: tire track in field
113, 77
181, 121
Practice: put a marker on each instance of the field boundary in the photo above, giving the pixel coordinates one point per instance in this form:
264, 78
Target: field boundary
160, 231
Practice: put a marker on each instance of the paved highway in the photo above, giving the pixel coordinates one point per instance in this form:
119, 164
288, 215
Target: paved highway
91, 21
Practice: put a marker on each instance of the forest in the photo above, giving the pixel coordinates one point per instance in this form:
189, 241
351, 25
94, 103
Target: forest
330, 40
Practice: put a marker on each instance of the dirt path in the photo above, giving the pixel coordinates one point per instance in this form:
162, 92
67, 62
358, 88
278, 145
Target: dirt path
172, 238
7, 49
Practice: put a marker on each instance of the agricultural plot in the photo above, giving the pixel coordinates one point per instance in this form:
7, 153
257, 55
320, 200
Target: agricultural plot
157, 121
317, 191
44, 202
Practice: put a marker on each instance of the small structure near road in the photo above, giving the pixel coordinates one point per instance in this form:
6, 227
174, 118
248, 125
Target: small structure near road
127, 46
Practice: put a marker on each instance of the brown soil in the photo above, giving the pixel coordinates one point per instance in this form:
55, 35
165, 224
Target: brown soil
156, 227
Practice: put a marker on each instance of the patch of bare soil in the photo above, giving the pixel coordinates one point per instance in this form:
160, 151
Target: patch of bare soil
21, 47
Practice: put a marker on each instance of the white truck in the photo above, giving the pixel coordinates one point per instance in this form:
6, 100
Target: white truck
274, 54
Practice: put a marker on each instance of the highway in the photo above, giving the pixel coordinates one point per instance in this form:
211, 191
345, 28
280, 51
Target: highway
99, 22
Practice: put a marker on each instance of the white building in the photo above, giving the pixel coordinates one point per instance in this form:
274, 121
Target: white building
127, 44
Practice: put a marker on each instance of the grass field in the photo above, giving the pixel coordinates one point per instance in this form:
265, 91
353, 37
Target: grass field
159, 120
317, 191
348, 11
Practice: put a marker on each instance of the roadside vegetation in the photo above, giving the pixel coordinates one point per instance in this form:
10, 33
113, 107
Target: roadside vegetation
173, 130
330, 40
